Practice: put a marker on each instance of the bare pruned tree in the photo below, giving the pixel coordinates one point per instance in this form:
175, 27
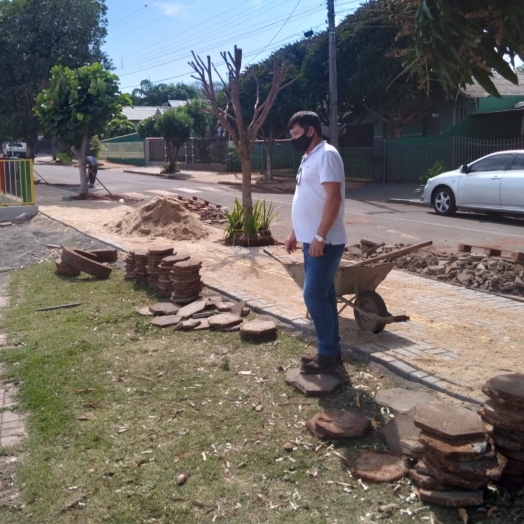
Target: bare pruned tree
230, 116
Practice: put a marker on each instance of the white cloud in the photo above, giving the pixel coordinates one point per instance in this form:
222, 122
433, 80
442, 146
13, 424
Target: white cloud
171, 9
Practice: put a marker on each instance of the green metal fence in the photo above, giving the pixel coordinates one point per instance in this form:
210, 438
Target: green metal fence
406, 160
358, 161
17, 186
127, 149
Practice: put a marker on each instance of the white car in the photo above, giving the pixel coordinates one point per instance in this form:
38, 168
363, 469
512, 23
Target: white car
494, 183
14, 148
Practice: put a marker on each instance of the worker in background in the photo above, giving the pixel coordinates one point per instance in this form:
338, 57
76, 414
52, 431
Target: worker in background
91, 169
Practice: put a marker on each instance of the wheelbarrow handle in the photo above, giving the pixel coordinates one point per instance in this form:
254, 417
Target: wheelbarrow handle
272, 255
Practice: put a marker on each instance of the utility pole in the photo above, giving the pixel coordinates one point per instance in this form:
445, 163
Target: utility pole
333, 96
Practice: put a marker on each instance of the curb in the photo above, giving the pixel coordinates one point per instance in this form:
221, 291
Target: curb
142, 173
407, 202
395, 365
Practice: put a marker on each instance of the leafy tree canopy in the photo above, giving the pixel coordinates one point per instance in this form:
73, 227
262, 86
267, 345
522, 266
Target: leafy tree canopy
119, 126
149, 94
147, 127
460, 40
36, 35
203, 122
174, 126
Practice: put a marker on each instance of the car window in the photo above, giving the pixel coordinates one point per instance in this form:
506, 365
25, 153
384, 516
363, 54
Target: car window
518, 163
492, 163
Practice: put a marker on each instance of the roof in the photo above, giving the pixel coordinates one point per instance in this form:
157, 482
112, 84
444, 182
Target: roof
504, 87
177, 103
139, 113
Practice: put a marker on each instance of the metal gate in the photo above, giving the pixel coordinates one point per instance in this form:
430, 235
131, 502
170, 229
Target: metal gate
157, 150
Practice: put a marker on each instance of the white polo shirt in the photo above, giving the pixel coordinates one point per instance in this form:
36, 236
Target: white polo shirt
322, 164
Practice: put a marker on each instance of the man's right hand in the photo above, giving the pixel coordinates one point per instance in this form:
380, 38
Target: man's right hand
291, 242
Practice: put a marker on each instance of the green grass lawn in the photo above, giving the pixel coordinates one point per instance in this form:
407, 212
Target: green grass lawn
116, 410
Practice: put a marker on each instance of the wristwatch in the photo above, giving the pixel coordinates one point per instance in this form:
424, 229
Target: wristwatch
320, 239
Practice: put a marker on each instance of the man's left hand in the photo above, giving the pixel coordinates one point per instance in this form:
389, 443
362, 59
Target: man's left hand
316, 248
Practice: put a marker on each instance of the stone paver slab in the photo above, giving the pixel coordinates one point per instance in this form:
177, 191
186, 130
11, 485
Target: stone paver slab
338, 423
166, 321
238, 307
145, 312
379, 466
225, 320
473, 450
450, 422
191, 309
425, 481
164, 308
454, 498
312, 385
259, 330
401, 434
402, 400
507, 389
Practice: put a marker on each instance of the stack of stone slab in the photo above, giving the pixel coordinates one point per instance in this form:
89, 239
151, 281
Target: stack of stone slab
141, 267
186, 281
504, 414
457, 458
154, 257
130, 266
165, 285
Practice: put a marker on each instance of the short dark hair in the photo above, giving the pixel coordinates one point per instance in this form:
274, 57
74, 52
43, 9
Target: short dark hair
306, 119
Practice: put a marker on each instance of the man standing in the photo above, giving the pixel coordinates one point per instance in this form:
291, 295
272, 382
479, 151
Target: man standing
92, 169
318, 223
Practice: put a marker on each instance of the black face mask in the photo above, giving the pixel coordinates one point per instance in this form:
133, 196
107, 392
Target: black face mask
302, 143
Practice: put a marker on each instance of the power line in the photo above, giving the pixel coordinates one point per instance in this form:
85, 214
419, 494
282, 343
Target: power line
278, 32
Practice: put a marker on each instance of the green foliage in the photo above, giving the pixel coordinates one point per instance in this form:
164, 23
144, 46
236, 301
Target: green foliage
65, 157
36, 35
174, 126
79, 102
237, 220
203, 122
119, 126
149, 94
147, 127
97, 146
436, 169
460, 42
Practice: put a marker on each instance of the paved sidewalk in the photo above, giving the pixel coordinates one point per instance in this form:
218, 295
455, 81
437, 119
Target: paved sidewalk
456, 339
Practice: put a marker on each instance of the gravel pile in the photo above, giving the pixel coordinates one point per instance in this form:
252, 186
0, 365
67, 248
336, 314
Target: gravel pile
470, 270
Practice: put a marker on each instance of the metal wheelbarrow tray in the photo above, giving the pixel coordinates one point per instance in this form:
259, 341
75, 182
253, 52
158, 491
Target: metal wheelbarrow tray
371, 313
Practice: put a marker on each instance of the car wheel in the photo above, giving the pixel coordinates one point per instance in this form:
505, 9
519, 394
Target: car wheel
444, 201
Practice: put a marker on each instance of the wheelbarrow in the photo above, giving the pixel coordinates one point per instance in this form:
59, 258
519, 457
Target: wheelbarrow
369, 308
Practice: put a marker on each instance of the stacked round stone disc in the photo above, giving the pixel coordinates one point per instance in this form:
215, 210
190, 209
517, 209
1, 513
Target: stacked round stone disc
186, 281
130, 266
141, 267
504, 414
165, 285
154, 257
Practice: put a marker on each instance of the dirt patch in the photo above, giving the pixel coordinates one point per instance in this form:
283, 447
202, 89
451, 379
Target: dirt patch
162, 217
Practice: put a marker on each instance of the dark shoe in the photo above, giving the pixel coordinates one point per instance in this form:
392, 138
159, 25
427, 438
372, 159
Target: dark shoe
308, 357
91, 185
320, 364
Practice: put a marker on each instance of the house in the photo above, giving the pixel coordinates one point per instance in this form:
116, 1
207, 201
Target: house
138, 113
474, 114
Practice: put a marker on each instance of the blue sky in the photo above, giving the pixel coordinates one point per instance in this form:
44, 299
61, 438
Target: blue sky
154, 39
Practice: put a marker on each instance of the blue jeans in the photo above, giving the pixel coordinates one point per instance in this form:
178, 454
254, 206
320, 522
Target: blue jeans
320, 297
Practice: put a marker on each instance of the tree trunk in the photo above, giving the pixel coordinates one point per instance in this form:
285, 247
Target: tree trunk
269, 142
81, 157
397, 130
247, 199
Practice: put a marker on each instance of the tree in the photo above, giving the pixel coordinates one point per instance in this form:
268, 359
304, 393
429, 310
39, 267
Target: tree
119, 126
203, 122
78, 104
147, 127
231, 117
519, 69
294, 98
36, 35
174, 126
461, 41
370, 79
149, 94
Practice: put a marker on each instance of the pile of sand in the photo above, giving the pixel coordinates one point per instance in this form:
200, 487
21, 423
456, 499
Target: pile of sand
162, 217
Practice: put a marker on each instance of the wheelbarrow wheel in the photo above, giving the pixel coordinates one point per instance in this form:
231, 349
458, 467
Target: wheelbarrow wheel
371, 302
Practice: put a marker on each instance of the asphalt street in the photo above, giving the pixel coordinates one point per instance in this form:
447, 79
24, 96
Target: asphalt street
368, 215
